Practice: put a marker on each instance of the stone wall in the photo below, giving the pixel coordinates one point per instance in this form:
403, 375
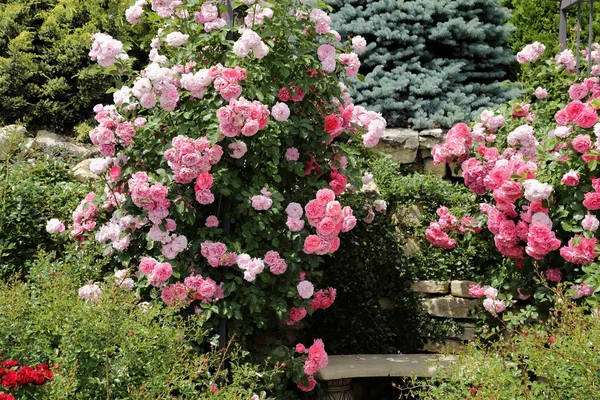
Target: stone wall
449, 300
407, 146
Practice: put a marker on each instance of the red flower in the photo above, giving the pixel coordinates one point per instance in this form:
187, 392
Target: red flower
6, 396
10, 363
10, 380
2, 372
25, 375
332, 124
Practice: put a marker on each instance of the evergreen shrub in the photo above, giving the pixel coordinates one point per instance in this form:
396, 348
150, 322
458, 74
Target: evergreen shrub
429, 62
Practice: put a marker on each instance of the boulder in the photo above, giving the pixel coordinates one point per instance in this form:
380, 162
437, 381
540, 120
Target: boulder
82, 172
431, 168
52, 140
401, 144
430, 137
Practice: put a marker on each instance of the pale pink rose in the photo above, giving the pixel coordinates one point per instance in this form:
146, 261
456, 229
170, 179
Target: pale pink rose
359, 44
239, 149
305, 289
292, 154
147, 265
494, 306
91, 292
212, 222
540, 93
261, 203
280, 111
590, 223
294, 210
176, 39
295, 225
54, 226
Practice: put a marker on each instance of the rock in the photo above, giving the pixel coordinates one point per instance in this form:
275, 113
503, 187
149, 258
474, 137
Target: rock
449, 345
468, 332
401, 144
430, 137
411, 247
430, 168
4, 132
450, 307
455, 170
52, 140
82, 172
461, 288
408, 215
424, 153
432, 287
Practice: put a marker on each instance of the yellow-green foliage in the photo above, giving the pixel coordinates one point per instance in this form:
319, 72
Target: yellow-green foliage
45, 78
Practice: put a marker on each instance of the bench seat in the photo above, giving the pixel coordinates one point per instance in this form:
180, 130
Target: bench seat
342, 368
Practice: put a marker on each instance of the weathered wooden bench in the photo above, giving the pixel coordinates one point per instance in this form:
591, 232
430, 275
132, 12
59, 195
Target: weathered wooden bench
341, 370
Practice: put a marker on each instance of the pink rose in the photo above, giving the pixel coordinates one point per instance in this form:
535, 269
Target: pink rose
571, 178
553, 275
311, 244
212, 222
292, 154
587, 118
592, 201
280, 112
295, 225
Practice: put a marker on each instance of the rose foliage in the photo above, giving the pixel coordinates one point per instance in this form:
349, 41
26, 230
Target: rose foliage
224, 159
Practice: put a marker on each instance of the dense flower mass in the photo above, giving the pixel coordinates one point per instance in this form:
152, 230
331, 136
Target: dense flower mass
223, 157
538, 184
13, 375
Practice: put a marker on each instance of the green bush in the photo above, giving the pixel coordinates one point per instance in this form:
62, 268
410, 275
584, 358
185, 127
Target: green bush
557, 359
114, 348
45, 72
34, 187
537, 21
412, 203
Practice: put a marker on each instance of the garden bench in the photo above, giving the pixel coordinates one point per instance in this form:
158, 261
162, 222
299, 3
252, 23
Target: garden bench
342, 368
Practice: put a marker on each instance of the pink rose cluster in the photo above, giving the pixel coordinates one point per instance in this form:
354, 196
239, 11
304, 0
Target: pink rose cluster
91, 292
250, 266
296, 95
242, 116
581, 290
216, 254
209, 16
329, 218
295, 315
250, 40
133, 14
582, 114
257, 15
492, 304
262, 202
111, 131
157, 273
566, 60
327, 56
580, 250
157, 81
277, 265
456, 147
238, 149
193, 288
164, 8
437, 234
323, 299
316, 359
226, 81
150, 198
373, 122
540, 93
359, 44
106, 50
351, 62
116, 231
84, 217
321, 20
189, 158
531, 53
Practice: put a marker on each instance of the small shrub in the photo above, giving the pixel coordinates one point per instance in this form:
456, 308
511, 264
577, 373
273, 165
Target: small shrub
114, 347
34, 187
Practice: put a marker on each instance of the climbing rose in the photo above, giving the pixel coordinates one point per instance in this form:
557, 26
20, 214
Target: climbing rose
541, 93
590, 223
292, 154
280, 112
359, 44
212, 221
571, 178
310, 386
91, 292
317, 358
305, 289
55, 226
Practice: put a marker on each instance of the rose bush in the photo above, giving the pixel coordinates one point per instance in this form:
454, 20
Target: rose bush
534, 166
224, 159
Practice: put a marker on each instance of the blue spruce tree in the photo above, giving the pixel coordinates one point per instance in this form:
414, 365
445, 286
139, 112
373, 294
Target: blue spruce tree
429, 63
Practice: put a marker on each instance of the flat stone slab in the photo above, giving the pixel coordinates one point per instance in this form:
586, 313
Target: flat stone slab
433, 287
461, 288
379, 365
450, 307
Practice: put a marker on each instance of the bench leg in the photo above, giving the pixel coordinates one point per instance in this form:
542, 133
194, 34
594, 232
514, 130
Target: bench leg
338, 389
